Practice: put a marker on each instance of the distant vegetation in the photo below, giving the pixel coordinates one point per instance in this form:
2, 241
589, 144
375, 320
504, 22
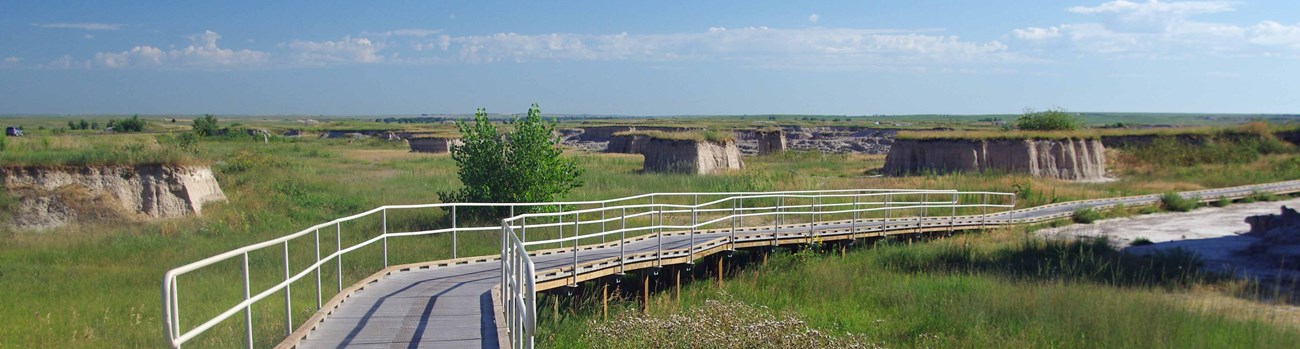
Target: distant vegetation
134, 124
1055, 119
205, 126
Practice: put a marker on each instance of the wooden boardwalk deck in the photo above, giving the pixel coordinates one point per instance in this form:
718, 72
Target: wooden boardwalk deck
452, 306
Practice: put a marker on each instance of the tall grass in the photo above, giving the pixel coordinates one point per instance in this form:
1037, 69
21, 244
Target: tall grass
96, 285
999, 290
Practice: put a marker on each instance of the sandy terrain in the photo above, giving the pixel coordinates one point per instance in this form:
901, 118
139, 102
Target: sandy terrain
1211, 232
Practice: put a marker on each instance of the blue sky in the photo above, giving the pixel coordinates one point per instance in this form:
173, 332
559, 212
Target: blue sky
648, 58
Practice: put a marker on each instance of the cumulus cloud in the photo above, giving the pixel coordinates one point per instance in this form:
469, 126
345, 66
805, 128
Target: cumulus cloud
411, 32
82, 26
66, 62
347, 50
1163, 29
1154, 9
1035, 33
760, 45
814, 18
202, 52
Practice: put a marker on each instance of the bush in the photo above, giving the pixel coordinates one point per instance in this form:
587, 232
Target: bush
525, 165
1261, 196
206, 125
134, 124
1177, 203
1055, 119
1086, 216
1148, 210
1222, 202
1141, 241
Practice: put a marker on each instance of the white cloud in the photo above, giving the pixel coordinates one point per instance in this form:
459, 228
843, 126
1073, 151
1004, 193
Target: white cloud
202, 52
11, 61
1035, 33
411, 32
759, 45
1154, 9
82, 26
814, 18
348, 50
66, 62
1159, 29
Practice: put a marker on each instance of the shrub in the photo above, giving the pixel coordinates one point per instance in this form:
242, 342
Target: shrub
1055, 119
1177, 203
525, 165
1148, 210
1086, 216
134, 124
1261, 196
1222, 202
206, 125
188, 141
1141, 241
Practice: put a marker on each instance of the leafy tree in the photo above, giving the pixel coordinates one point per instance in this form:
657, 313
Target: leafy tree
1055, 119
94, 125
525, 165
85, 125
206, 125
72, 125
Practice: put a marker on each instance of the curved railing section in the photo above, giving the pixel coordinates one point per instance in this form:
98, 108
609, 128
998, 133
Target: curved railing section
266, 252
719, 223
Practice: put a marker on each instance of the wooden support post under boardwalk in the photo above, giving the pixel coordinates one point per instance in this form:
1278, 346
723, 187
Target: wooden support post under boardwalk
677, 294
604, 302
645, 293
720, 258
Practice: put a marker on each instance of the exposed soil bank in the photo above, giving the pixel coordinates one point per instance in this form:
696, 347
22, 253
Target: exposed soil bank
1070, 159
690, 156
432, 144
1211, 232
45, 198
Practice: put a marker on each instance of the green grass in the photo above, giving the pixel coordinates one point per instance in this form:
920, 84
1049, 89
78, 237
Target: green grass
1177, 203
96, 285
998, 290
1085, 216
43, 150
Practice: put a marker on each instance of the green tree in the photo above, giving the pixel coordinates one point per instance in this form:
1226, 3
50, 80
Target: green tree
206, 125
524, 165
94, 125
1055, 119
134, 124
85, 125
72, 125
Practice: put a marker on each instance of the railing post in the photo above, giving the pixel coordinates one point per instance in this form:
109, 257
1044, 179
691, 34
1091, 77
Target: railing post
338, 260
385, 231
561, 227
780, 202
288, 296
659, 251
925, 206
853, 224
889, 207
453, 232
812, 217
952, 218
733, 223
602, 222
984, 210
691, 251
776, 219
622, 240
248, 310
318, 288
576, 221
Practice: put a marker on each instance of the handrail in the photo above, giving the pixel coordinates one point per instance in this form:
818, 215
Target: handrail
518, 276
177, 336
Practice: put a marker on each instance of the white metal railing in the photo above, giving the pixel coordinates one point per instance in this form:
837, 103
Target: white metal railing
845, 208
177, 335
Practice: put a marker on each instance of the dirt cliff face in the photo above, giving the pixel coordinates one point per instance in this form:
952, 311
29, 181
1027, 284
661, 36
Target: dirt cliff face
432, 145
688, 156
627, 143
51, 197
1070, 159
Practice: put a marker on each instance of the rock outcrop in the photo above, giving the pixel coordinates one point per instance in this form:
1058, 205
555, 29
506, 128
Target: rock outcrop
627, 143
690, 156
434, 145
1070, 159
770, 141
1278, 241
51, 197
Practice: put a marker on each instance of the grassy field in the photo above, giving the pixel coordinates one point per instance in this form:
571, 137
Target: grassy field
997, 289
97, 285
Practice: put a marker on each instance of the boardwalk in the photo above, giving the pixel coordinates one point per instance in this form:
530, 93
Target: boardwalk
452, 306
